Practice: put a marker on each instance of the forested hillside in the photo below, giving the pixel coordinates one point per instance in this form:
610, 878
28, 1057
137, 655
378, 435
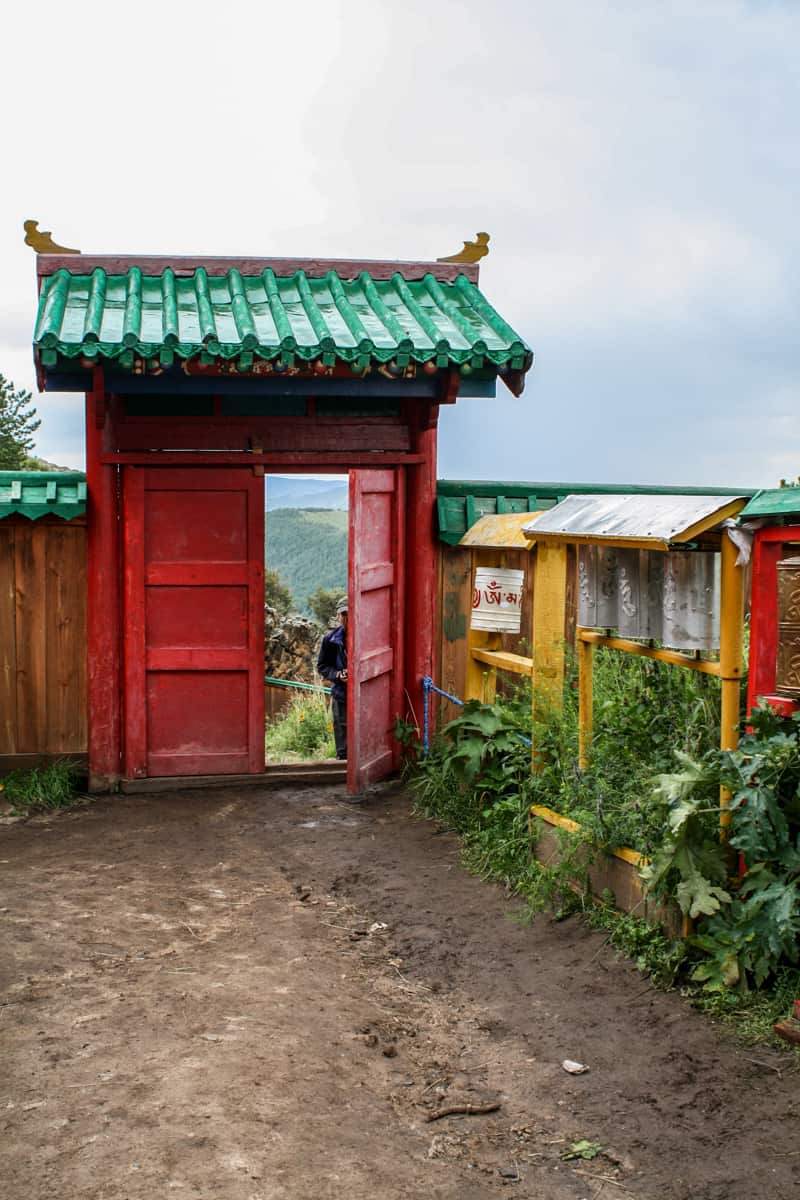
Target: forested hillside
308, 547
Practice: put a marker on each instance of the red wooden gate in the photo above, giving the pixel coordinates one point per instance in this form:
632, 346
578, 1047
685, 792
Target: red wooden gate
375, 650
194, 621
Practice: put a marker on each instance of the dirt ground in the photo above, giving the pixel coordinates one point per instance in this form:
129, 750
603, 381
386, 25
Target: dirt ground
265, 995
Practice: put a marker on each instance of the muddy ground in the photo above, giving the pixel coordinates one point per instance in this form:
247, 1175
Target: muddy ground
266, 995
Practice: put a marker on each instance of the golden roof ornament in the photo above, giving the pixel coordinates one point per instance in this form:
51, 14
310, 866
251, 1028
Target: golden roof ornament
41, 240
472, 251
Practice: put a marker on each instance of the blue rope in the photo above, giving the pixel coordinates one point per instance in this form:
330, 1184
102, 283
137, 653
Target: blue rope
429, 686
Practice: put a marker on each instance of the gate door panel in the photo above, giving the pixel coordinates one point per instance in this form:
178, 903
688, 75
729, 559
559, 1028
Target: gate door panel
375, 651
194, 612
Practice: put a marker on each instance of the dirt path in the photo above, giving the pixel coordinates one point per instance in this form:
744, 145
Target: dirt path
263, 995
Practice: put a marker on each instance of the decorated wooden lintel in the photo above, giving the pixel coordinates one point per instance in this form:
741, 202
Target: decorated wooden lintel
275, 367
41, 240
471, 252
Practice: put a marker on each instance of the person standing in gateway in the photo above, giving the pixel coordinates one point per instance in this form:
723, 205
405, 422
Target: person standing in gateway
332, 665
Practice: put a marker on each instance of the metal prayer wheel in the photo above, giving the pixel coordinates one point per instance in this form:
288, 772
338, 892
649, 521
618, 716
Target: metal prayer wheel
787, 672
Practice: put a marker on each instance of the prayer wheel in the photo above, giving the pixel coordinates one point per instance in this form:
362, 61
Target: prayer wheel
787, 676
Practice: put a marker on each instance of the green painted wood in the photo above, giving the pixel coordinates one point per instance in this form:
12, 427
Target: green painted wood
35, 494
773, 502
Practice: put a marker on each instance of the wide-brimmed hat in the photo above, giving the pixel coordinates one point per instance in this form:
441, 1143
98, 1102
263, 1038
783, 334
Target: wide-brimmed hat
341, 607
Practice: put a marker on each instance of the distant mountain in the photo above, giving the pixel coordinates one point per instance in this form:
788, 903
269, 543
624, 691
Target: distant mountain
309, 550
283, 492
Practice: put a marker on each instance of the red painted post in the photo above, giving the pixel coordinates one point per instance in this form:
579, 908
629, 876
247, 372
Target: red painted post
770, 547
103, 608
421, 632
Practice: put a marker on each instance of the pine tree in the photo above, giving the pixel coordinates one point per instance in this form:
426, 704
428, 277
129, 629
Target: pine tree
18, 424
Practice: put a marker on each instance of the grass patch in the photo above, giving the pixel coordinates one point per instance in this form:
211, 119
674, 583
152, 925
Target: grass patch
304, 733
42, 789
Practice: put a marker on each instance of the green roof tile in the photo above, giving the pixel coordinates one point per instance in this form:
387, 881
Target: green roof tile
37, 494
774, 502
361, 319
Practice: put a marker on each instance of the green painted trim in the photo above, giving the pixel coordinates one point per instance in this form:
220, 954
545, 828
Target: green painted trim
773, 502
486, 487
35, 494
293, 683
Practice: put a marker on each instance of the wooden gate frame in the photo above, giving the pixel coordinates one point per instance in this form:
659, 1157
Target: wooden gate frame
335, 446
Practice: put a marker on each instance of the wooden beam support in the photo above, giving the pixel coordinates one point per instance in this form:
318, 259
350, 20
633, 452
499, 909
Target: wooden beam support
503, 660
731, 628
422, 641
675, 657
103, 600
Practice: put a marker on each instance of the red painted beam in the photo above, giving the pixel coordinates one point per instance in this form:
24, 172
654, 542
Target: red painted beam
274, 436
315, 268
339, 460
103, 607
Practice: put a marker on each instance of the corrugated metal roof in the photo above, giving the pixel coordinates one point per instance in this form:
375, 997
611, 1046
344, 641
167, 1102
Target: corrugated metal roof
500, 531
774, 502
37, 494
104, 316
657, 521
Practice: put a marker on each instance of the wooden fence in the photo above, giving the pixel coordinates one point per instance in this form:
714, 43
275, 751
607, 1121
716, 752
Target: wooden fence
42, 640
456, 575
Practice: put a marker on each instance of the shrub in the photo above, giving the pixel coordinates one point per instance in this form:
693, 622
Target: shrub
304, 731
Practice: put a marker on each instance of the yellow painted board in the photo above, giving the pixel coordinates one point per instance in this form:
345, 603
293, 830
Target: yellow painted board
668, 656
553, 818
504, 660
499, 531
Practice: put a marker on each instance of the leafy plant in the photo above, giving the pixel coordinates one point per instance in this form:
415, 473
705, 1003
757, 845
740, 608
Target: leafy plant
752, 927
42, 788
690, 864
582, 1149
487, 747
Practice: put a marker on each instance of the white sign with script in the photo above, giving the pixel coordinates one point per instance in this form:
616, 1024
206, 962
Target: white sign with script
497, 599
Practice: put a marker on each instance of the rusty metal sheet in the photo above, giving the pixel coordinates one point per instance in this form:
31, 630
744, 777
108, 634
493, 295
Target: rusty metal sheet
656, 519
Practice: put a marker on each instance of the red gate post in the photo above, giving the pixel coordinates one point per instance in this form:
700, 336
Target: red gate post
421, 633
103, 604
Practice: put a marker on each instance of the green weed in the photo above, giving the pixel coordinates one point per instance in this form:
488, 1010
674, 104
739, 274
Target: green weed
42, 788
303, 733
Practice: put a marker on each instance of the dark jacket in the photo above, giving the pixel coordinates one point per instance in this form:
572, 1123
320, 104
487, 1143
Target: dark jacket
332, 659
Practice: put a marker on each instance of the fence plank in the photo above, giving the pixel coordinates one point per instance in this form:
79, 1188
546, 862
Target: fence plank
65, 619
8, 643
29, 557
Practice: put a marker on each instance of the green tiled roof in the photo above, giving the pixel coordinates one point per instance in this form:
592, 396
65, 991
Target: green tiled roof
360, 320
42, 493
774, 502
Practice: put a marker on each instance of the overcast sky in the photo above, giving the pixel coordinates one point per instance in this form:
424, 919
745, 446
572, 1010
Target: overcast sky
635, 162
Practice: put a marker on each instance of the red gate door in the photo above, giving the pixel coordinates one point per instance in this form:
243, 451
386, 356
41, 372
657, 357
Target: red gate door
375, 650
194, 621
